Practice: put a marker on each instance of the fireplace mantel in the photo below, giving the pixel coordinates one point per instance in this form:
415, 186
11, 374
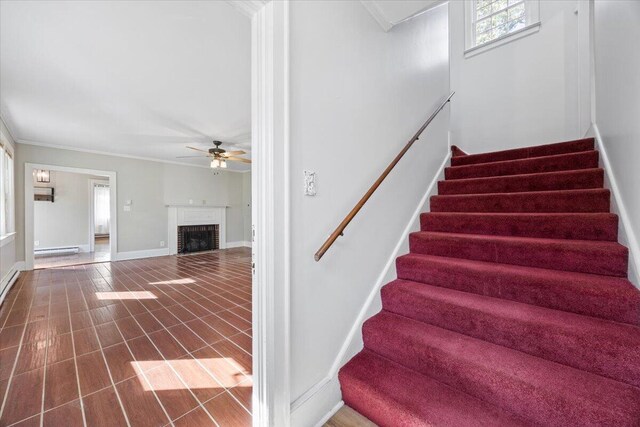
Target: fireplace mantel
195, 215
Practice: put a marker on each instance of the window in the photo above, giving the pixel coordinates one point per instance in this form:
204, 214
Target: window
6, 190
489, 21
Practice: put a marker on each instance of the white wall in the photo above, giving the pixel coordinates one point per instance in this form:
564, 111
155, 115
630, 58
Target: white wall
357, 95
617, 115
531, 91
149, 185
246, 206
65, 222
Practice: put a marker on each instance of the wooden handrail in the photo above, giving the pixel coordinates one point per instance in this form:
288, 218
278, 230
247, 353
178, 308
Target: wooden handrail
340, 230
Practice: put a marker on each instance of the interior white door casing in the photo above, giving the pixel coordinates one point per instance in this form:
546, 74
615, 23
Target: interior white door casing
28, 205
92, 212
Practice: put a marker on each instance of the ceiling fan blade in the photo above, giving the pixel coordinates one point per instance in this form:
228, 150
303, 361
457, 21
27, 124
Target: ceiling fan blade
188, 157
234, 153
238, 159
197, 149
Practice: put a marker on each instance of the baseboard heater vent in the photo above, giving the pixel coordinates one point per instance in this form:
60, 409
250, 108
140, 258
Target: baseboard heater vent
57, 251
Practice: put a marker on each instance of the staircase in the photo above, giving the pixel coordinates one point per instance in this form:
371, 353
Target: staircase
512, 307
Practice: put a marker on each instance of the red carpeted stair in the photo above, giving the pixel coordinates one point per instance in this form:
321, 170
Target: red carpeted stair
512, 307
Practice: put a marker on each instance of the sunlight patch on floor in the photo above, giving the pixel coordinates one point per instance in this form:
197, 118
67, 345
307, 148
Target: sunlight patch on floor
186, 281
191, 372
125, 295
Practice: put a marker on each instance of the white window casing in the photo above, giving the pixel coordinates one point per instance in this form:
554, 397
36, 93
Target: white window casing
491, 23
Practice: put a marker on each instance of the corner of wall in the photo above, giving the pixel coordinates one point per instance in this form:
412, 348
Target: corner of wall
625, 231
319, 402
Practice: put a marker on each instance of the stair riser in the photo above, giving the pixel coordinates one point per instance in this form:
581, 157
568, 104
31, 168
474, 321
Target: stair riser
391, 395
574, 180
527, 152
577, 201
593, 350
578, 227
511, 390
555, 255
584, 160
589, 295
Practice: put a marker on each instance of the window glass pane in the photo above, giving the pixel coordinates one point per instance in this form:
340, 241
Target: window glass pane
483, 25
483, 37
483, 12
498, 5
516, 11
499, 19
482, 3
512, 2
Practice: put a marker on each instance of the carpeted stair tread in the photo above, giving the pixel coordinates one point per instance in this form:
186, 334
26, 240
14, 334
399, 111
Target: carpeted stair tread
578, 145
579, 201
585, 256
547, 181
571, 161
595, 345
607, 297
394, 396
578, 226
538, 391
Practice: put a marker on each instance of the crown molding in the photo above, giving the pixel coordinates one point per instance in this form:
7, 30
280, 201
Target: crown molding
387, 23
247, 7
111, 154
377, 13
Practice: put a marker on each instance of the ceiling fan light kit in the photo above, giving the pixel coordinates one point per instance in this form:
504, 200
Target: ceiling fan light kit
218, 163
219, 156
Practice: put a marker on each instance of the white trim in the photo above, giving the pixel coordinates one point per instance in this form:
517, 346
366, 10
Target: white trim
7, 238
270, 214
318, 395
125, 156
377, 14
247, 7
330, 414
387, 24
28, 206
146, 253
9, 279
92, 220
239, 244
502, 40
625, 231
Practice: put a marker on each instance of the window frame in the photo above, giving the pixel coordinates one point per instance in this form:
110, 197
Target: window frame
532, 25
7, 198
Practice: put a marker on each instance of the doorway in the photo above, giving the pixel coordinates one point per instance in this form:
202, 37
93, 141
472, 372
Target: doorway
99, 219
60, 216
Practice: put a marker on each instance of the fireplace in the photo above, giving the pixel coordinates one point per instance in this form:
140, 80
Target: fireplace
198, 238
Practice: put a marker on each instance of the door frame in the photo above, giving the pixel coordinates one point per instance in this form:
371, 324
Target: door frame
270, 209
92, 210
29, 211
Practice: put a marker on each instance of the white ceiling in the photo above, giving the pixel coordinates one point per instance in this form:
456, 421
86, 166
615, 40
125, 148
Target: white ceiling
390, 13
133, 78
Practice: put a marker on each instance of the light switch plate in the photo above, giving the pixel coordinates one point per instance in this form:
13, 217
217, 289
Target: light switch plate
310, 187
127, 208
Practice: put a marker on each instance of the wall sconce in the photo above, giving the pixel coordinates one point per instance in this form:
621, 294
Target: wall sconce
42, 176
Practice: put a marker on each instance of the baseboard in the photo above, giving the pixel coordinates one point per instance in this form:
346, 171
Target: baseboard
321, 398
316, 405
238, 244
625, 232
330, 414
147, 253
7, 282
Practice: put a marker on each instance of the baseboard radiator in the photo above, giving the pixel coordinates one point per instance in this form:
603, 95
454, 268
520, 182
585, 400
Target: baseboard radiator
67, 250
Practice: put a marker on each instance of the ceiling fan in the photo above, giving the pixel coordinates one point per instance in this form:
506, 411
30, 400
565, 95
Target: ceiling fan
219, 156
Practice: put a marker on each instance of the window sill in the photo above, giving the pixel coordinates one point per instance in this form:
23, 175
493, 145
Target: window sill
7, 238
507, 38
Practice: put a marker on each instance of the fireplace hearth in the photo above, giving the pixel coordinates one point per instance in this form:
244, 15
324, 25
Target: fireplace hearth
198, 238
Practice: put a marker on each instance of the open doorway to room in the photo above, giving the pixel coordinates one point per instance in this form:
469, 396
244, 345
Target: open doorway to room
69, 216
99, 219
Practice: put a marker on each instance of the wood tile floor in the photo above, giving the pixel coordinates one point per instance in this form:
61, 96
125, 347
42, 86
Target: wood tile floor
152, 342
